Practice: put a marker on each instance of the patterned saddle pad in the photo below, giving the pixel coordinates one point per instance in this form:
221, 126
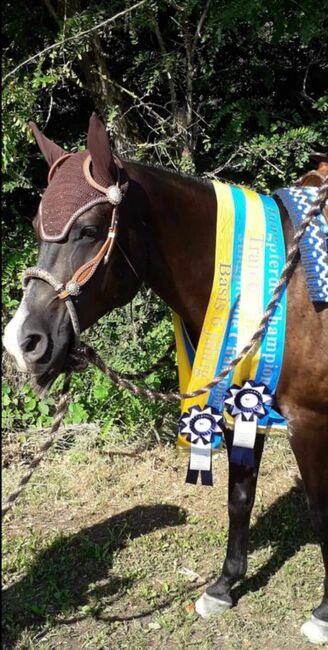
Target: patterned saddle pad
314, 242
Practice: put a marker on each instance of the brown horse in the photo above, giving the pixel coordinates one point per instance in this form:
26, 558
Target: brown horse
165, 238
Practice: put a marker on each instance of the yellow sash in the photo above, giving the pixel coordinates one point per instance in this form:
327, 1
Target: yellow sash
211, 341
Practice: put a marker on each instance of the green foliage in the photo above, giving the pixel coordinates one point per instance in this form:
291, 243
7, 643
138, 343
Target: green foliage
134, 337
176, 85
232, 89
131, 339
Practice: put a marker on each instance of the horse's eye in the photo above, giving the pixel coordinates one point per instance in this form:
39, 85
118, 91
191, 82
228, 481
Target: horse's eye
88, 231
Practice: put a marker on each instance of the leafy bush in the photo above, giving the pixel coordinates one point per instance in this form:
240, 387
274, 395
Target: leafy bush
233, 89
130, 339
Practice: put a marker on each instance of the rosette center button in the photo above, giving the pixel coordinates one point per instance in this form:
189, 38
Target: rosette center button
249, 400
203, 425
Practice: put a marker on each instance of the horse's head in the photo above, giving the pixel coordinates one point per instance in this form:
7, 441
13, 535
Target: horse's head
91, 253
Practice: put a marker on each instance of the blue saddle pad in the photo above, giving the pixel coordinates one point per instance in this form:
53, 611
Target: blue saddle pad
314, 242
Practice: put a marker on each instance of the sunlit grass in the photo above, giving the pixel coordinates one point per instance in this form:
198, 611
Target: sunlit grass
93, 549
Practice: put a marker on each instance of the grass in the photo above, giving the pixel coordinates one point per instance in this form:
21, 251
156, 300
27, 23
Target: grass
93, 553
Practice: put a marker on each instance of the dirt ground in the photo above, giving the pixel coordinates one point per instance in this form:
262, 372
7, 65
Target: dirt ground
110, 551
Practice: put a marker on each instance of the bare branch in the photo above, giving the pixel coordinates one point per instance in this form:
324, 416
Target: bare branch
200, 25
138, 99
246, 149
52, 11
175, 5
49, 110
214, 173
169, 77
304, 91
75, 37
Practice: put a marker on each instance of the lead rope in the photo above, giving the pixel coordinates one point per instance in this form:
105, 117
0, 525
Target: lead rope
58, 417
89, 354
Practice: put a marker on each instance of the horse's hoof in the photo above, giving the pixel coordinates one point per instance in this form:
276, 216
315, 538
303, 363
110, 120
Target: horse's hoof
315, 630
207, 605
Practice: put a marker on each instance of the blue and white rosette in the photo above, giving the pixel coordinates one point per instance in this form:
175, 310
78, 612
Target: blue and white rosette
247, 404
203, 430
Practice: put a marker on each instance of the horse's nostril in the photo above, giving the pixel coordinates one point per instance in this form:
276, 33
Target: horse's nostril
34, 346
31, 342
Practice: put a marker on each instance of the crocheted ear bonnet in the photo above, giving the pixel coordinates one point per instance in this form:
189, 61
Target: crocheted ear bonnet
69, 194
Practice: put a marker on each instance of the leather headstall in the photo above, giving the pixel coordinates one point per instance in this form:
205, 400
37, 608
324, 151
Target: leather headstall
114, 195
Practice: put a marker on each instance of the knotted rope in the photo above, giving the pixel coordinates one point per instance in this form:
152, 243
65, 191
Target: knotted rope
87, 354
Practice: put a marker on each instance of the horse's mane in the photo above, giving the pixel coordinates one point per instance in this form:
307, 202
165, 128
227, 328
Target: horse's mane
171, 172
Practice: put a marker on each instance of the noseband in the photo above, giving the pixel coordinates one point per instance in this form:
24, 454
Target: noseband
114, 195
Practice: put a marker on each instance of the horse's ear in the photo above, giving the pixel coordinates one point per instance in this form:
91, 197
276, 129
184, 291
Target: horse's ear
50, 150
100, 150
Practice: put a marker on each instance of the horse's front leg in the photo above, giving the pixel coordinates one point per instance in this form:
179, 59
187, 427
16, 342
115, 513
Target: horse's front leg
242, 488
311, 453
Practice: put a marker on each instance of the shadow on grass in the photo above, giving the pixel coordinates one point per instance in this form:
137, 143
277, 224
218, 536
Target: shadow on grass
286, 527
63, 576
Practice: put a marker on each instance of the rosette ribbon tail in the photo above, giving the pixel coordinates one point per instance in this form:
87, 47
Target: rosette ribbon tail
244, 432
202, 429
200, 461
246, 404
206, 476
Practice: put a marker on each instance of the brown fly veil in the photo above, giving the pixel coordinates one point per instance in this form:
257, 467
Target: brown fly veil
67, 196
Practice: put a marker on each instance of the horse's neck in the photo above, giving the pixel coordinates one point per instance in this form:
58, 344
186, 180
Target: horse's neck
181, 223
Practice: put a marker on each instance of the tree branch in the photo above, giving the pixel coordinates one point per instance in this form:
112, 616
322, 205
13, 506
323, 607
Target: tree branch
75, 37
52, 11
170, 80
175, 5
200, 25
